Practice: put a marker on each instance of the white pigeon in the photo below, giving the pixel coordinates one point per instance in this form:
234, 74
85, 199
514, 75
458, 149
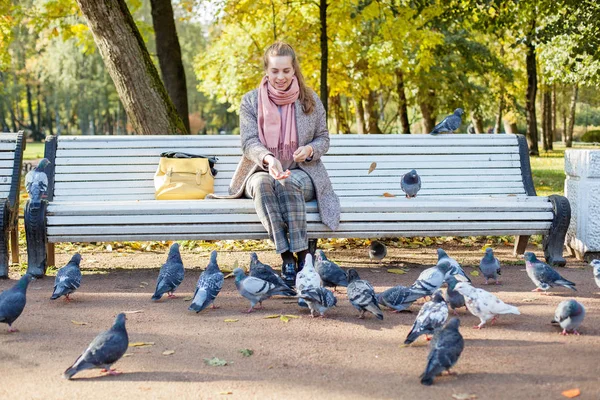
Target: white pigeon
307, 278
596, 265
484, 305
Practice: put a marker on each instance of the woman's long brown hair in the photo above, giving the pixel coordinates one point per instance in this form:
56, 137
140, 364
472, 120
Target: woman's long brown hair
283, 49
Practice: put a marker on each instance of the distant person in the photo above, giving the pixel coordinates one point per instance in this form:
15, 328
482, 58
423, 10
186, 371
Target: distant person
284, 134
490, 129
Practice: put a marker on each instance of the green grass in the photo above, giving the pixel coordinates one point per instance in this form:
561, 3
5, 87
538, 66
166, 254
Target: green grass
33, 151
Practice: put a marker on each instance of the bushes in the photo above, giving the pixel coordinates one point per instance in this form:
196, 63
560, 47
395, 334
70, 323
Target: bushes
591, 137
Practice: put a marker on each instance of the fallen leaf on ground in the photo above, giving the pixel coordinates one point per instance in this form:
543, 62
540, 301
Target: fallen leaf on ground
528, 300
127, 355
133, 312
386, 194
80, 322
189, 298
168, 352
231, 320
230, 392
474, 273
144, 283
215, 362
571, 393
396, 271
464, 396
272, 316
247, 352
141, 344
283, 318
372, 167
291, 316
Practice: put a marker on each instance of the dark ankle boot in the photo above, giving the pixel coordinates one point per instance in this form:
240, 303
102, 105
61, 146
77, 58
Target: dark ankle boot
288, 269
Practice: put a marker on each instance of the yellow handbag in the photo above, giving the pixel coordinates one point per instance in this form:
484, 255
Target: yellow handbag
182, 176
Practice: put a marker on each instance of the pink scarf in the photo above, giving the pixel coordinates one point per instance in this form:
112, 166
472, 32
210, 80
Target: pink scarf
278, 131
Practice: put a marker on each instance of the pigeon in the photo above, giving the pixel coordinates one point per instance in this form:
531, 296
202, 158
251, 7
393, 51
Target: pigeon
265, 272
484, 305
450, 123
362, 295
377, 250
453, 298
543, 276
170, 275
307, 278
431, 279
209, 285
12, 302
432, 316
105, 350
569, 314
410, 183
445, 349
490, 266
455, 268
398, 298
36, 183
257, 290
596, 265
68, 279
319, 299
331, 274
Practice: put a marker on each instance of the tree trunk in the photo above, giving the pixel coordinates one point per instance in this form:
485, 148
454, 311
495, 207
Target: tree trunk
360, 116
372, 113
39, 114
335, 108
32, 125
427, 110
477, 122
324, 54
138, 84
48, 116
3, 126
572, 116
169, 57
402, 104
546, 134
556, 134
499, 125
532, 132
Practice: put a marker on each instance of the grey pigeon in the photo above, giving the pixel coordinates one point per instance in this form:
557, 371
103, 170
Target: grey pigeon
12, 301
490, 266
453, 298
377, 250
455, 268
362, 295
170, 275
410, 183
484, 305
209, 285
431, 279
596, 265
569, 314
307, 278
105, 350
319, 299
68, 279
450, 123
543, 276
36, 183
445, 349
331, 274
398, 298
265, 272
257, 290
432, 316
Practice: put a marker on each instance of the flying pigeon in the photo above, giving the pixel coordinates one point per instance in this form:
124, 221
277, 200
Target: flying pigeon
543, 276
170, 275
319, 299
209, 285
432, 316
484, 305
410, 183
307, 278
455, 268
377, 250
431, 279
596, 265
398, 298
36, 183
490, 266
453, 298
257, 290
362, 295
12, 302
450, 123
265, 272
331, 274
105, 350
445, 349
569, 314
68, 279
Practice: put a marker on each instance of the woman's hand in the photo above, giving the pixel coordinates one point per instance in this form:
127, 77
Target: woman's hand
275, 168
302, 153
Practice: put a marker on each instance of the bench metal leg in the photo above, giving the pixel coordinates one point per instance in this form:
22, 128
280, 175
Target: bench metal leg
14, 246
50, 251
37, 239
554, 242
520, 245
4, 235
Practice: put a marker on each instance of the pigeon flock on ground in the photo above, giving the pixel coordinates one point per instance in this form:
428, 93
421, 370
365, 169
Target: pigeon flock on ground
263, 282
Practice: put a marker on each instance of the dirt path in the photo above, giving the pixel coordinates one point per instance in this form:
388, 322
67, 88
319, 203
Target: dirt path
521, 357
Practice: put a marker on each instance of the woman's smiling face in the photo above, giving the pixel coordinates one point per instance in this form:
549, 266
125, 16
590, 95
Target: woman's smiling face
280, 72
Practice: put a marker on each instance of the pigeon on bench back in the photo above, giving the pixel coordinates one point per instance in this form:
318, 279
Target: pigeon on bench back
410, 183
209, 285
36, 183
68, 279
450, 123
170, 275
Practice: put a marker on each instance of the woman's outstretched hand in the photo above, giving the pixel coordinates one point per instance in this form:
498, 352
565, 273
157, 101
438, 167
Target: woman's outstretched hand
275, 168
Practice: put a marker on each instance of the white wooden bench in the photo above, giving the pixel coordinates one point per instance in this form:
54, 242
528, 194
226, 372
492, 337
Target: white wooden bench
101, 189
12, 146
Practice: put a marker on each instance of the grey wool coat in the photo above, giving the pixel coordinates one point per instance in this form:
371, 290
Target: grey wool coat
312, 129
